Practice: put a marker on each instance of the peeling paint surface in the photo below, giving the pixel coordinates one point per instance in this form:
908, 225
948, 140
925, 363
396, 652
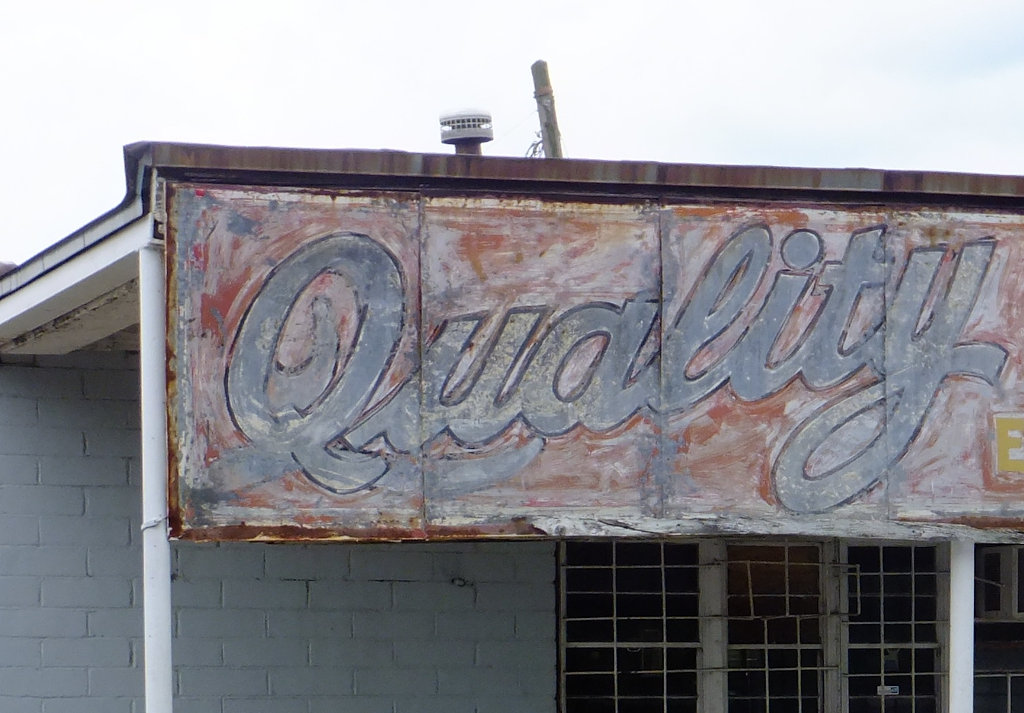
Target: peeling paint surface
405, 365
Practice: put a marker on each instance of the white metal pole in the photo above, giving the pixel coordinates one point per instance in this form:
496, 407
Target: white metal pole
156, 547
961, 626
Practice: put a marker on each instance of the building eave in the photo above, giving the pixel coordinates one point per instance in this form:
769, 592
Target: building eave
74, 292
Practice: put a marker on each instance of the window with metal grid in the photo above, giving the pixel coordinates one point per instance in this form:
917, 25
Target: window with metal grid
755, 627
775, 649
894, 625
631, 634
999, 664
999, 692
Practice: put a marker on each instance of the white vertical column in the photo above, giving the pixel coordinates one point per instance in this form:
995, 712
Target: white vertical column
156, 547
961, 626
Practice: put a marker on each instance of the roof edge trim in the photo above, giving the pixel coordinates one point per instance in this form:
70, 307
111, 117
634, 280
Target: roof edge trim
137, 162
234, 162
74, 283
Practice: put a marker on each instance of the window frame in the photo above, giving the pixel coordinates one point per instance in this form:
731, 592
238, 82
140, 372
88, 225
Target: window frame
834, 615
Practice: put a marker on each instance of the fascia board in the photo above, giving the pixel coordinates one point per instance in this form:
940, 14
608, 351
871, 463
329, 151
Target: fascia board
75, 281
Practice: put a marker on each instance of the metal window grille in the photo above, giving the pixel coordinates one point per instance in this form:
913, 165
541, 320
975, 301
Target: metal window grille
894, 629
1001, 692
998, 644
780, 627
775, 652
630, 621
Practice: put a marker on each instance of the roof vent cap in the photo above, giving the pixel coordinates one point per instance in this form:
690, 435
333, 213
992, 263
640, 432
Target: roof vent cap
467, 130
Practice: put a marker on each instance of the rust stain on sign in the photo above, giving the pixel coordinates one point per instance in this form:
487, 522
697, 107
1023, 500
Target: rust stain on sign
396, 365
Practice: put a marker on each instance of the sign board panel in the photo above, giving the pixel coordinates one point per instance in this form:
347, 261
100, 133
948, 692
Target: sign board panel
393, 365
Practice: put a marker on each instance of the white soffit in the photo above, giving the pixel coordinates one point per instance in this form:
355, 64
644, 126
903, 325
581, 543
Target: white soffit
87, 297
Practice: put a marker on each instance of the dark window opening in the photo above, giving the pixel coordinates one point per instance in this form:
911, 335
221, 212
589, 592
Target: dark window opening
762, 627
631, 627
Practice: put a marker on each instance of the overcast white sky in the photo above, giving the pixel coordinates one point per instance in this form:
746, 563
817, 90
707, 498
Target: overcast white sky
901, 84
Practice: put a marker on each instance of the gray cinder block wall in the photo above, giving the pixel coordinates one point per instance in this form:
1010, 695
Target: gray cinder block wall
388, 628
405, 628
70, 629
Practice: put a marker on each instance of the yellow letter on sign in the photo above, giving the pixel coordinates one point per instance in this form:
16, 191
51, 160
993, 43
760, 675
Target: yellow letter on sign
1009, 443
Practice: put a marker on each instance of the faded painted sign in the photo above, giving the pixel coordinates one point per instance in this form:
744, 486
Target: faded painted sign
404, 365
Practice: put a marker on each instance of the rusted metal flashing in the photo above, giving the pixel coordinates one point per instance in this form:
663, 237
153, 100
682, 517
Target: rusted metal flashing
395, 169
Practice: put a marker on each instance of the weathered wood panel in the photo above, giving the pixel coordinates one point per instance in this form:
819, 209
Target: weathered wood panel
404, 365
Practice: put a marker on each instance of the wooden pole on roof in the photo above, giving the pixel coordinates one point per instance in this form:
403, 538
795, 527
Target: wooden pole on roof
545, 96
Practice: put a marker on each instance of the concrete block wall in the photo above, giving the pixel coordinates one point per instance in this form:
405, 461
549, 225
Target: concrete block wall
453, 627
70, 564
401, 628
